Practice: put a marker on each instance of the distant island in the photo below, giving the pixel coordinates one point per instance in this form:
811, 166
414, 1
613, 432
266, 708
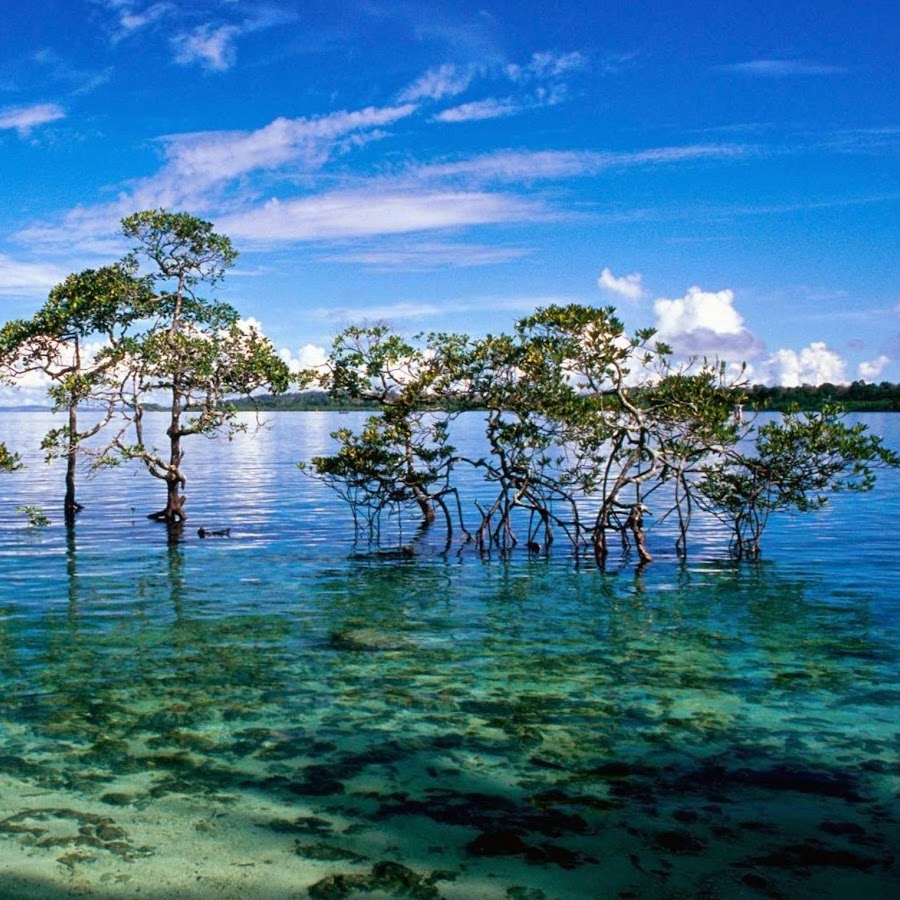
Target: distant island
856, 397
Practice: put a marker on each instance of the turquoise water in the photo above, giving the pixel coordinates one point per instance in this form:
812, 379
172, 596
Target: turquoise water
282, 714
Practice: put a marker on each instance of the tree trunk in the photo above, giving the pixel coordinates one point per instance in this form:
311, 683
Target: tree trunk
175, 500
636, 523
70, 506
425, 505
175, 480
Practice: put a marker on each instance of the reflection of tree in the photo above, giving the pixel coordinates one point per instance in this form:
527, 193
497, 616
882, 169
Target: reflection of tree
72, 569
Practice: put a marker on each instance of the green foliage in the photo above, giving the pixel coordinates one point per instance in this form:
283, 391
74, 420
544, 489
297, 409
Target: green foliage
180, 247
9, 462
35, 515
402, 456
190, 348
95, 303
585, 426
796, 462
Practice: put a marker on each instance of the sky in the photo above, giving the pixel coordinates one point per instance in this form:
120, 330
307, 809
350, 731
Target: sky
724, 172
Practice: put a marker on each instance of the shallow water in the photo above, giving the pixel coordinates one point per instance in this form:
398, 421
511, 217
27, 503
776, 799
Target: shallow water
278, 714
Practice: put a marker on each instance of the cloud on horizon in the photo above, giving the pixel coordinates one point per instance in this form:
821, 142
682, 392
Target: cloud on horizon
871, 369
815, 364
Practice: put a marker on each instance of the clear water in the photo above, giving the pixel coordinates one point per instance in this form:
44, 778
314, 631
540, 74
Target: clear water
279, 714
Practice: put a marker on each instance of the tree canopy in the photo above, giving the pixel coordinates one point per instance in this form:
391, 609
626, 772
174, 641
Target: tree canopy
159, 337
588, 431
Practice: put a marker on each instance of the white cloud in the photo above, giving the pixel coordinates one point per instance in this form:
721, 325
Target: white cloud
781, 68
815, 364
212, 156
478, 111
249, 325
200, 165
626, 286
428, 256
309, 356
704, 322
27, 390
345, 214
212, 47
27, 279
443, 81
511, 166
542, 81
546, 66
870, 370
402, 309
24, 118
413, 309
131, 21
698, 309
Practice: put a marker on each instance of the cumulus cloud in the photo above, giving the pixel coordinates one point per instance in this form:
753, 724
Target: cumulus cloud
25, 118
815, 364
698, 309
871, 369
27, 390
309, 356
626, 286
704, 322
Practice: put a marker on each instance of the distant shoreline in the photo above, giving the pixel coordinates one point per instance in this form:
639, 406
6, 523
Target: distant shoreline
856, 397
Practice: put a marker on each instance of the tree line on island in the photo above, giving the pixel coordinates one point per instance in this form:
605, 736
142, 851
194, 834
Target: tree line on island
588, 430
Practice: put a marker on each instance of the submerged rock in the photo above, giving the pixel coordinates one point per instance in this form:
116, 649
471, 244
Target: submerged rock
321, 850
814, 853
498, 843
681, 843
387, 877
308, 825
367, 640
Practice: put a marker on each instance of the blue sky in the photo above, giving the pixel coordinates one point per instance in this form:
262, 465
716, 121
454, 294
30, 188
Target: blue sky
725, 172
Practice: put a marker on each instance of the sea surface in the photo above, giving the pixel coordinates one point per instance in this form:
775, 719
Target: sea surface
288, 712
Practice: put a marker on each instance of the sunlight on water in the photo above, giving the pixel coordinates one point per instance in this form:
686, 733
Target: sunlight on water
281, 714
